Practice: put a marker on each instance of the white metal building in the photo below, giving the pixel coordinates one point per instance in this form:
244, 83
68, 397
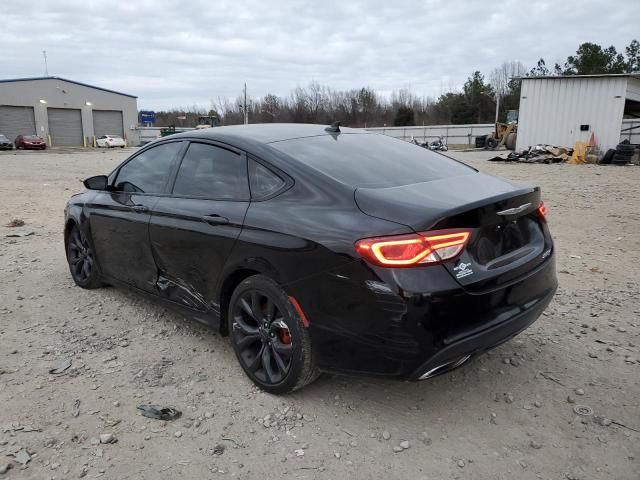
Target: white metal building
65, 112
564, 109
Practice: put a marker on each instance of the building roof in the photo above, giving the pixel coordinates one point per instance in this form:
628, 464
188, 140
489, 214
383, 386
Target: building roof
8, 80
559, 77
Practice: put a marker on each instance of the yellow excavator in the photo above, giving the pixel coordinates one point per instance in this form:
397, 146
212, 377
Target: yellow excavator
505, 133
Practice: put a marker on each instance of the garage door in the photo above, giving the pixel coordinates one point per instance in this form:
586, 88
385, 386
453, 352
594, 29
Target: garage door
107, 122
16, 121
65, 126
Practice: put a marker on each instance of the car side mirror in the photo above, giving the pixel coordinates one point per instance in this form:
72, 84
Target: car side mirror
99, 182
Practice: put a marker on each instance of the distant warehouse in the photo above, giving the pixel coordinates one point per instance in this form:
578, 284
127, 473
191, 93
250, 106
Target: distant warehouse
565, 109
65, 112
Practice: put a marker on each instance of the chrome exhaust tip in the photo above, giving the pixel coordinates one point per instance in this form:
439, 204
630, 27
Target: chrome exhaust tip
444, 367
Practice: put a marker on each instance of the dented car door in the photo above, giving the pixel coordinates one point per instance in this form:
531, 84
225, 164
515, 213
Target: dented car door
193, 231
119, 218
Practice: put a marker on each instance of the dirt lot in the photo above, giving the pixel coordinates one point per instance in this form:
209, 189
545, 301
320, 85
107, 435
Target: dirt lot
507, 415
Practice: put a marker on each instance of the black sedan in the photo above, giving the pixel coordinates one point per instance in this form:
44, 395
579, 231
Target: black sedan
319, 249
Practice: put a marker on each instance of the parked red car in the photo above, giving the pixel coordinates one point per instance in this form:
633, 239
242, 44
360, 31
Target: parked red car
30, 142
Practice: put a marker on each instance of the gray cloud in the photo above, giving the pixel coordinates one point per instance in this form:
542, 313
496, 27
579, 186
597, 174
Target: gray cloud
183, 53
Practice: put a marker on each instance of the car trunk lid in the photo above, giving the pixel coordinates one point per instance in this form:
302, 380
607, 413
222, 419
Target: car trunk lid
508, 236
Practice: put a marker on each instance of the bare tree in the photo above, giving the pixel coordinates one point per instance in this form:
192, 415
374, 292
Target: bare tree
316, 100
501, 76
362, 107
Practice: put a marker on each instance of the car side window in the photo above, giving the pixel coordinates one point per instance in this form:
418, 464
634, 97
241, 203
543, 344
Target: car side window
263, 181
149, 171
212, 172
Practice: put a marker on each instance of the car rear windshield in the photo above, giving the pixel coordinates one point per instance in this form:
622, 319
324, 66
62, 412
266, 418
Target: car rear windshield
371, 160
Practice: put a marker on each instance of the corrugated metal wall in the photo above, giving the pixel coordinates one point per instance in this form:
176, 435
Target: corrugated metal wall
633, 89
552, 110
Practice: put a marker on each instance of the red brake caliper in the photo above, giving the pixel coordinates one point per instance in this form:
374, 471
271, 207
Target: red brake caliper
284, 336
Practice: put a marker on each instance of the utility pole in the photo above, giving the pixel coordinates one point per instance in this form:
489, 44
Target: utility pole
246, 111
497, 105
46, 67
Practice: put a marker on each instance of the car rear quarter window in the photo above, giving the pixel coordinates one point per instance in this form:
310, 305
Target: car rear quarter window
149, 171
212, 172
371, 160
263, 181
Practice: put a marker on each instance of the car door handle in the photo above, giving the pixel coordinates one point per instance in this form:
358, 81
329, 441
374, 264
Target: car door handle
215, 220
140, 208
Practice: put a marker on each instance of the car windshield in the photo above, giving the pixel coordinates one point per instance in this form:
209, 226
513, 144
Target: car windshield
371, 160
31, 137
115, 137
2, 137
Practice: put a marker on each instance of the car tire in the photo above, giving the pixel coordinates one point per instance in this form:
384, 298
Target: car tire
620, 159
269, 338
481, 140
608, 157
82, 262
491, 143
625, 147
625, 153
510, 141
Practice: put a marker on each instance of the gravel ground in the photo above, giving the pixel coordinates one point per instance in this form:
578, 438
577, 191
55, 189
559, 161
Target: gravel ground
509, 414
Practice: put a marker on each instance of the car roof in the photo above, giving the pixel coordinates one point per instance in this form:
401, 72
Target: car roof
258, 134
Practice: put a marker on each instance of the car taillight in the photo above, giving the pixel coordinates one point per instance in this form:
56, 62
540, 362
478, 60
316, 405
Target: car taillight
542, 211
426, 248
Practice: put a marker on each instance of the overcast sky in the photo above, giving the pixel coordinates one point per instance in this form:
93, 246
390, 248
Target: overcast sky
173, 53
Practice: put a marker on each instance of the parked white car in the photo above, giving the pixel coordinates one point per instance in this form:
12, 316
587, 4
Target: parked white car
109, 141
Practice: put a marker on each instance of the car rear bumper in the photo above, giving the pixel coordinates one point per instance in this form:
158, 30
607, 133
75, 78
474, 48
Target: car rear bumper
458, 351
405, 324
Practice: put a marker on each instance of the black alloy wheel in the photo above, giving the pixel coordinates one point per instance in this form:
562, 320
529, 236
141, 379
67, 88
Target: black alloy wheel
82, 264
262, 337
269, 338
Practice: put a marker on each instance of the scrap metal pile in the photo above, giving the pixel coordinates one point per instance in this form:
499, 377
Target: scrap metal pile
625, 153
541, 154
